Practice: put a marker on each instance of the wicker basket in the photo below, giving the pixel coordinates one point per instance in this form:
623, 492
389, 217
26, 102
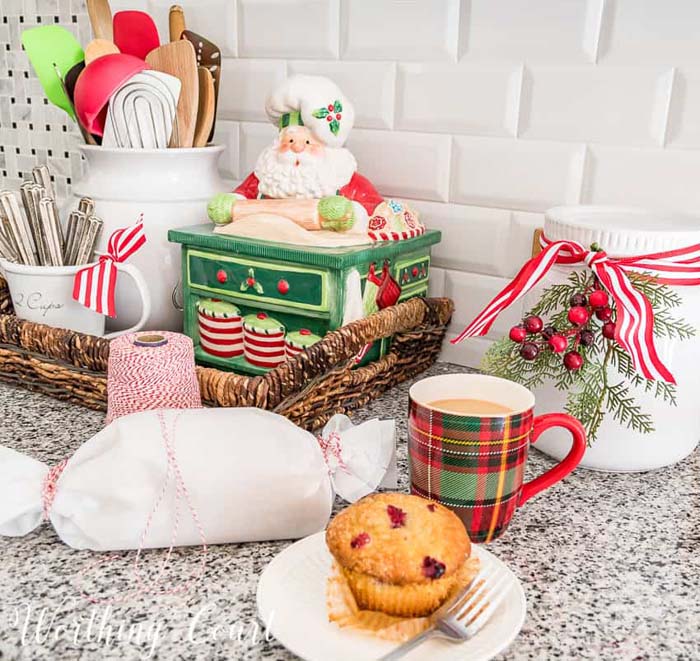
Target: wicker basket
307, 389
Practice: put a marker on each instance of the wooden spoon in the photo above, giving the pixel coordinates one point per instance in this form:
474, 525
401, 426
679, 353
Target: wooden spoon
99, 47
205, 110
178, 59
176, 19
209, 56
100, 19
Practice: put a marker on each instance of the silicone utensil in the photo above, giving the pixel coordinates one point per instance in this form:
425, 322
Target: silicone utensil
141, 113
99, 47
135, 33
98, 82
100, 19
205, 109
178, 59
209, 56
51, 48
176, 20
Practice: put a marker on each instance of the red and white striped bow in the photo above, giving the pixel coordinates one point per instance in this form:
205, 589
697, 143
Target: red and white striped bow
635, 317
94, 285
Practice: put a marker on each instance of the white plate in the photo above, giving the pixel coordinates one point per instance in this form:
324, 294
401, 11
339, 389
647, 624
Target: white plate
292, 604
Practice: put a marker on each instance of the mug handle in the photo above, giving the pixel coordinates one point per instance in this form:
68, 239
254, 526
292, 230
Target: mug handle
137, 277
567, 464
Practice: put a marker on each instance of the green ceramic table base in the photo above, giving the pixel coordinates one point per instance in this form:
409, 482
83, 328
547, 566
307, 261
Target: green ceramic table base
298, 286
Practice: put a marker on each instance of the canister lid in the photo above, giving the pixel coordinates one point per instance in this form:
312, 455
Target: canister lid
214, 307
622, 231
261, 323
302, 338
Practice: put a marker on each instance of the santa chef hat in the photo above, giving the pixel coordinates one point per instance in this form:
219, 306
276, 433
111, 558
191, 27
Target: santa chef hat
315, 102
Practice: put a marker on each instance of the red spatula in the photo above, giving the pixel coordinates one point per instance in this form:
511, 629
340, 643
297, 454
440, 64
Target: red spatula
135, 33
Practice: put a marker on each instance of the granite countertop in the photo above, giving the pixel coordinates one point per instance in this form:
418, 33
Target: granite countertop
610, 565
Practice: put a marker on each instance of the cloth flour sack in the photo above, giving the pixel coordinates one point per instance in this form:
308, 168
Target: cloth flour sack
159, 477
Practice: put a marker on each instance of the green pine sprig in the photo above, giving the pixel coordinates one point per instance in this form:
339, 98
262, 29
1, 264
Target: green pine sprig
593, 392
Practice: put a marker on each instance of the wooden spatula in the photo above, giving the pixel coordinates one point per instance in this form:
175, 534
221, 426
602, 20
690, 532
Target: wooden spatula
205, 109
99, 47
179, 60
100, 19
176, 20
209, 56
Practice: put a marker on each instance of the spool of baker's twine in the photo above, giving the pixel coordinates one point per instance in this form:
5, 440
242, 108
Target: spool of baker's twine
153, 370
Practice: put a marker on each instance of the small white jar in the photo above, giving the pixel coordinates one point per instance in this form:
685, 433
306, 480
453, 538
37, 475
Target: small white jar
623, 232
171, 187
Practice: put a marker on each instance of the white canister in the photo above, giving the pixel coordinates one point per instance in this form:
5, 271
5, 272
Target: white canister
623, 232
171, 188
44, 295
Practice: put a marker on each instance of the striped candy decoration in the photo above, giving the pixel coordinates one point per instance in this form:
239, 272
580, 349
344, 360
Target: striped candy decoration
220, 328
263, 340
635, 316
94, 286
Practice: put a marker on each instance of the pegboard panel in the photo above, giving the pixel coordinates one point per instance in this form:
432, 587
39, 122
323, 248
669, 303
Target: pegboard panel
33, 131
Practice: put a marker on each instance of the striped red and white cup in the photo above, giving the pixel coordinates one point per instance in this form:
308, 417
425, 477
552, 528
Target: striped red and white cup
220, 328
263, 340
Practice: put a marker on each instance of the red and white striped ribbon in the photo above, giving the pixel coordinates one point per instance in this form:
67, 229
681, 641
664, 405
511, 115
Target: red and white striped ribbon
635, 317
94, 285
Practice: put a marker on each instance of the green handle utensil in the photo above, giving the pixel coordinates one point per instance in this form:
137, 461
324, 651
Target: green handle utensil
51, 48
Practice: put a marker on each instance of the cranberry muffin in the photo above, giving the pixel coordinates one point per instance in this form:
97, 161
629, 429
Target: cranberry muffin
400, 554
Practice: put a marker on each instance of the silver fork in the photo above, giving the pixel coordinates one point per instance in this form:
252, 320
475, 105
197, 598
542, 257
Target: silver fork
463, 617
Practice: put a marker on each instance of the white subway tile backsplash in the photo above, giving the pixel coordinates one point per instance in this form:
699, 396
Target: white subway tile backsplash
436, 286
662, 179
226, 133
288, 28
639, 32
515, 174
370, 85
596, 104
483, 100
402, 163
471, 293
684, 113
468, 352
399, 29
245, 86
213, 19
254, 137
532, 31
475, 238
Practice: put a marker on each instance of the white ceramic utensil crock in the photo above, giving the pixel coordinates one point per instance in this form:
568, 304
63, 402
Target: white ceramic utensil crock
624, 232
171, 188
44, 295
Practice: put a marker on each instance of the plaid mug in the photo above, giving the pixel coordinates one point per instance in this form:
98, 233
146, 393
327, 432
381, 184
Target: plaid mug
474, 463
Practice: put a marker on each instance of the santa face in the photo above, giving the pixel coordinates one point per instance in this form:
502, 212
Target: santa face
298, 165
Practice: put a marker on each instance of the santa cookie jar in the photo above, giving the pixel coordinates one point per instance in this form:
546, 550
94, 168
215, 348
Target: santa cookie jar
304, 245
305, 187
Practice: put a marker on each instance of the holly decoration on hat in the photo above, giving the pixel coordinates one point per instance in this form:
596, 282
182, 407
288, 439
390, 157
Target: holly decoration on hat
332, 114
568, 339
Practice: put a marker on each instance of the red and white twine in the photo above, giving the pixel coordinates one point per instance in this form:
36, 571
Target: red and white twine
634, 328
141, 378
48, 488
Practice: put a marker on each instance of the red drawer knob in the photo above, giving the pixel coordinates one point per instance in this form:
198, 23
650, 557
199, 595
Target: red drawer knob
221, 276
283, 287
415, 271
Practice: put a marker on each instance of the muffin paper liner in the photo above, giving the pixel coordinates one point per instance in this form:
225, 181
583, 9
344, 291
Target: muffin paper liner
344, 611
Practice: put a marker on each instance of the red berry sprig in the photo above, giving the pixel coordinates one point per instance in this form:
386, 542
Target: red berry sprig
534, 336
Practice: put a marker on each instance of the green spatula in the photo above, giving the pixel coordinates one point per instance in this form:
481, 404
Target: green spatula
51, 47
